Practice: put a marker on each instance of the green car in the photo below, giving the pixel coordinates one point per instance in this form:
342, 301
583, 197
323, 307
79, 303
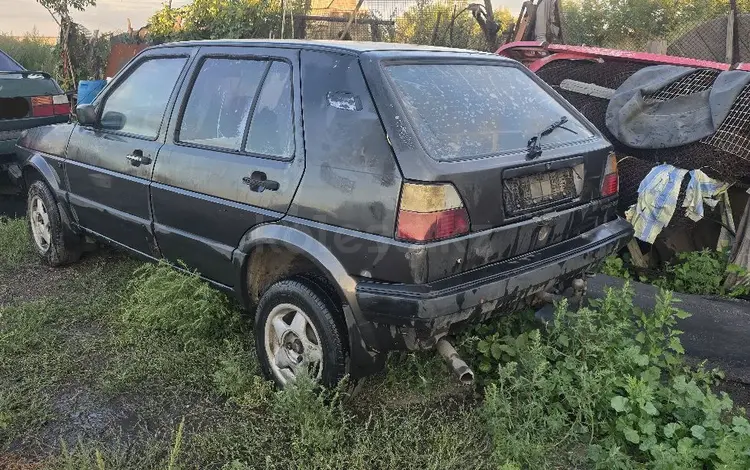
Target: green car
27, 99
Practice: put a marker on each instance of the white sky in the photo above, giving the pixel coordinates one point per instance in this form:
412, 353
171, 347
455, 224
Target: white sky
21, 16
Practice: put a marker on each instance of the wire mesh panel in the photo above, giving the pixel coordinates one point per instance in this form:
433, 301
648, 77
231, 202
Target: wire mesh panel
696, 82
733, 135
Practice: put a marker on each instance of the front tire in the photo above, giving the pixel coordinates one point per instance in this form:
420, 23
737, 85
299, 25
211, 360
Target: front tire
296, 333
49, 238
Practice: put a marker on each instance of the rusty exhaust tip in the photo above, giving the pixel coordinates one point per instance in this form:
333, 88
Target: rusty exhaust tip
460, 368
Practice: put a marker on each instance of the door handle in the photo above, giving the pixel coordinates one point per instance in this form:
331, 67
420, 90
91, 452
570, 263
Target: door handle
259, 182
137, 159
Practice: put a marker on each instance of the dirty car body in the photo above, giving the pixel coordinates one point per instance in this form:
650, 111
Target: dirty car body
400, 175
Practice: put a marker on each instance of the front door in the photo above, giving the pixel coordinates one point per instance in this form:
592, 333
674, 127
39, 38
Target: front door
109, 164
233, 155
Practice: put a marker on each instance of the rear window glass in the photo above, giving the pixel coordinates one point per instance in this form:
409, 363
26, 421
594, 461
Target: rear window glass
7, 64
463, 110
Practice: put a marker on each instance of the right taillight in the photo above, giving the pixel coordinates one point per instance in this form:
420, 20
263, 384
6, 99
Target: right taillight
429, 212
610, 181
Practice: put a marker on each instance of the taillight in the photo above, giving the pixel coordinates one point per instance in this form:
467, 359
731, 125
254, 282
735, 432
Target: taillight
45, 106
610, 181
41, 106
429, 212
61, 104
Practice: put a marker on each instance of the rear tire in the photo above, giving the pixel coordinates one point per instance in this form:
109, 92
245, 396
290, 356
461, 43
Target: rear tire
50, 238
297, 332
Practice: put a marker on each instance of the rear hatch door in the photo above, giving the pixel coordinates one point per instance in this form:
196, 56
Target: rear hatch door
467, 119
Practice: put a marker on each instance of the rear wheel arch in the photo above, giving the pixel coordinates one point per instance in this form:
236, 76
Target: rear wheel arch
301, 253
328, 273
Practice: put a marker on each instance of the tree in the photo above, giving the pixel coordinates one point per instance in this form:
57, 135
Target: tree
441, 24
60, 12
631, 23
60, 9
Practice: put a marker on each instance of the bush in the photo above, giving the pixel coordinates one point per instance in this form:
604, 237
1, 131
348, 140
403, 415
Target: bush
607, 386
33, 52
161, 298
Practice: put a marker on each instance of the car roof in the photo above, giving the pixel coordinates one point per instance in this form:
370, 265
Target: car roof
355, 47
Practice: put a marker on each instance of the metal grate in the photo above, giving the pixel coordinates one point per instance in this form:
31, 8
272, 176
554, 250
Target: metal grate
537, 190
632, 171
733, 135
696, 82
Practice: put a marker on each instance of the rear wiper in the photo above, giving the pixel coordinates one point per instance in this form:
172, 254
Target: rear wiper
534, 148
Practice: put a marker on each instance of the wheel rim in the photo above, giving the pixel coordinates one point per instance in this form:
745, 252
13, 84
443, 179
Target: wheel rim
40, 228
293, 345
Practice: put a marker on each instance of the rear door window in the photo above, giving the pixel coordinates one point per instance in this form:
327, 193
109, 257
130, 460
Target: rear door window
462, 111
242, 105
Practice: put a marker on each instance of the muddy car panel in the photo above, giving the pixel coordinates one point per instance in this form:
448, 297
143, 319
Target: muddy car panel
335, 200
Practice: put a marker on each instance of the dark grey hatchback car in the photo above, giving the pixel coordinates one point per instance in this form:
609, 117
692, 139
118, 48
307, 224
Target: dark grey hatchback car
359, 197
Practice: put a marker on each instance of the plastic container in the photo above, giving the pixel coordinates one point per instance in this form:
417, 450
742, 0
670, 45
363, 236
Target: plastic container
88, 89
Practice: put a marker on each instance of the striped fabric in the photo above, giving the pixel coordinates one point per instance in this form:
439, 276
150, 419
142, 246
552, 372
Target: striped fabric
657, 201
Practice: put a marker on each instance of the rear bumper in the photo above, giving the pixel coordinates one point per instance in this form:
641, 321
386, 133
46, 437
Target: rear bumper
412, 316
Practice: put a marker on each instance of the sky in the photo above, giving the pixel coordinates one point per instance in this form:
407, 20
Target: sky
21, 16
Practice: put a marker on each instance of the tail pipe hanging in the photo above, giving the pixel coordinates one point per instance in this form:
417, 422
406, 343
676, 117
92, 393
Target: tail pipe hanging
460, 368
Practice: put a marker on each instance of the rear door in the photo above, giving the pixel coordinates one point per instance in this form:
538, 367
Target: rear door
109, 165
233, 156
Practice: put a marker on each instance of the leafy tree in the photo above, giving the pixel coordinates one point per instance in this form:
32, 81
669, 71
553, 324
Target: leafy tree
60, 9
629, 23
214, 19
440, 24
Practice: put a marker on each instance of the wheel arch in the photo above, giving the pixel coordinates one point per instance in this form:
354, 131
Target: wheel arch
37, 168
364, 357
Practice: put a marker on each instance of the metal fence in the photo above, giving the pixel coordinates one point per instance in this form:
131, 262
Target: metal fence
715, 31
448, 23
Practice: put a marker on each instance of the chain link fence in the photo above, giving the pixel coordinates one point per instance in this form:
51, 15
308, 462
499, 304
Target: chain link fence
441, 22
717, 30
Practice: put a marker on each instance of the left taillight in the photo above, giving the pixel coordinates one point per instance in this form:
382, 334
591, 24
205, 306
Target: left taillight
610, 180
46, 106
429, 212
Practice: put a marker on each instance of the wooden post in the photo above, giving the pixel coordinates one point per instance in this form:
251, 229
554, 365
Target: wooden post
732, 44
636, 255
435, 28
351, 19
375, 32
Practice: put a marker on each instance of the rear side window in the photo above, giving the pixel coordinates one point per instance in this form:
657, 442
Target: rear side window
241, 105
462, 111
7, 64
136, 106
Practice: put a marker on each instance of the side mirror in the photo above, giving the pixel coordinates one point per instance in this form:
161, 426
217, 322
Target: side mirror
86, 114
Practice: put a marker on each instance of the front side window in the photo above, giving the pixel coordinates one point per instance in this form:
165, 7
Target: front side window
463, 111
137, 105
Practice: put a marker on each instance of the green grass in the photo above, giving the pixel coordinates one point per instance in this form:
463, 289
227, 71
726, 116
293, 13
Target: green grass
121, 365
15, 245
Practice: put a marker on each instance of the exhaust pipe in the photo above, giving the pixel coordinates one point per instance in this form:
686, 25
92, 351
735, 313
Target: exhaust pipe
460, 368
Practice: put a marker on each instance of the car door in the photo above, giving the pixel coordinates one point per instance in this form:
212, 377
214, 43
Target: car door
109, 164
233, 157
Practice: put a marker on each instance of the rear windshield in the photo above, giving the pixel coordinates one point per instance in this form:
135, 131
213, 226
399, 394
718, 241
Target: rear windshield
462, 111
8, 65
